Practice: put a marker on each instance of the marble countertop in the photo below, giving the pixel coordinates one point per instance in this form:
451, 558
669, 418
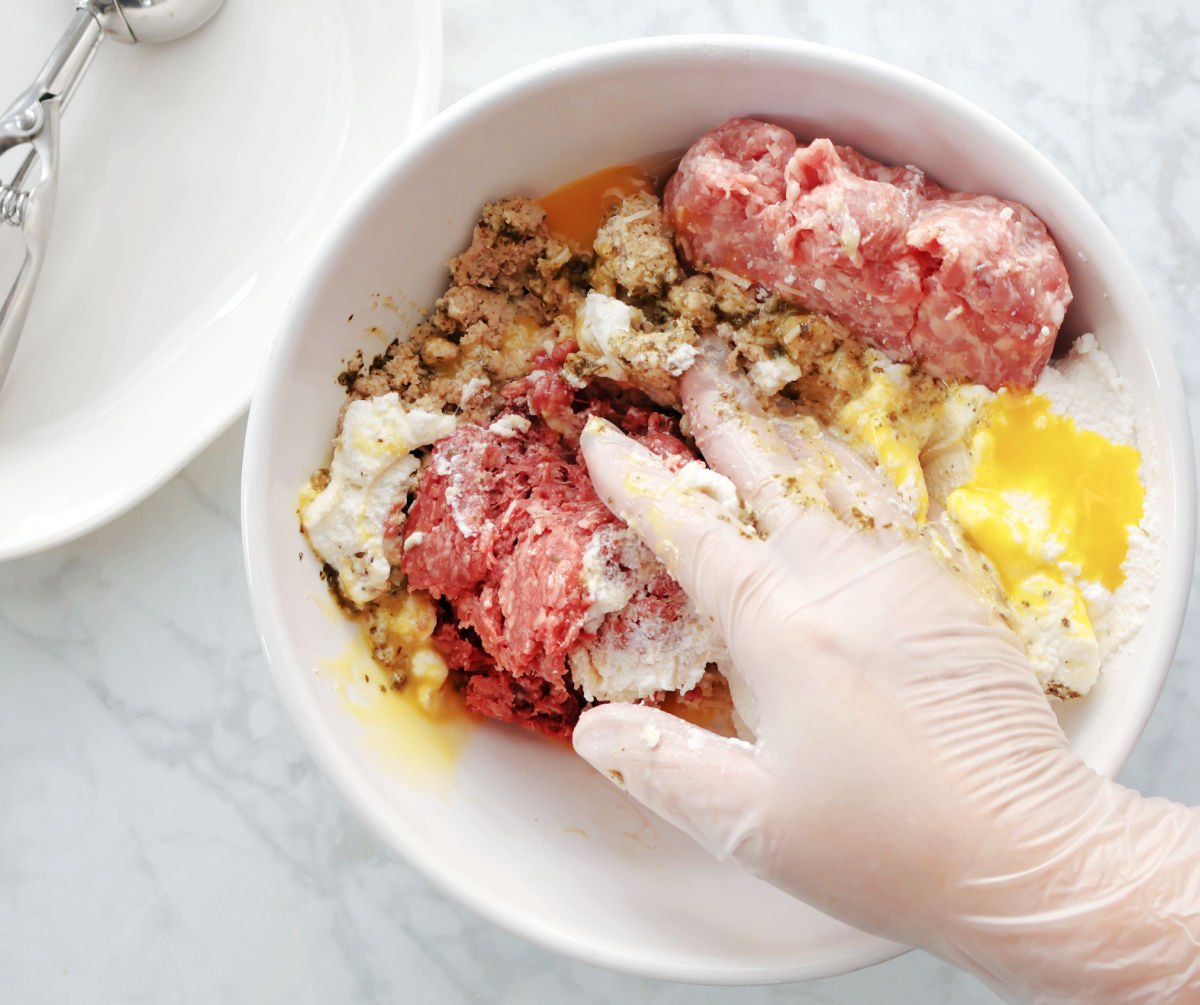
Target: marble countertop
165, 838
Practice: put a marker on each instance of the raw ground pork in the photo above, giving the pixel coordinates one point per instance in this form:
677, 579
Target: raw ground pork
971, 285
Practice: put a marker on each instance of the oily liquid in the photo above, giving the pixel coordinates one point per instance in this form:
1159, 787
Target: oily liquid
713, 711
575, 211
423, 746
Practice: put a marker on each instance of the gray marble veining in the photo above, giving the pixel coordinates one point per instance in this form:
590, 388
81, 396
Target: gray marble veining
165, 838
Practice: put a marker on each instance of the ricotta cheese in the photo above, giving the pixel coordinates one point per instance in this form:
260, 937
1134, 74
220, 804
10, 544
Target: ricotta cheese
656, 650
696, 476
372, 472
1055, 498
1087, 387
509, 426
659, 655
772, 375
472, 389
610, 336
615, 562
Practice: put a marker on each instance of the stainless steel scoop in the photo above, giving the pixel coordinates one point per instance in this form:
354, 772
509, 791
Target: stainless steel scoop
27, 202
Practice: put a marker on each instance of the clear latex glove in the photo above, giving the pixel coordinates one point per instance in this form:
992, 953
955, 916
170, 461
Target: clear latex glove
908, 775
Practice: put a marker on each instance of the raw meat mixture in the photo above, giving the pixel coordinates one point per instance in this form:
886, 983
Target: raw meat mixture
503, 524
790, 249
970, 285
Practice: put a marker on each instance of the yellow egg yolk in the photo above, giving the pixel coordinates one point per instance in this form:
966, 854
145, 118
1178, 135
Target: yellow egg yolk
878, 420
576, 210
409, 620
1046, 494
420, 729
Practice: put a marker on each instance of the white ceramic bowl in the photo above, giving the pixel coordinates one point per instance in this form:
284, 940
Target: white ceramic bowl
527, 834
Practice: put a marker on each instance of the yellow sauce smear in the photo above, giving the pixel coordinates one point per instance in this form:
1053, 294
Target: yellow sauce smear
575, 211
1046, 492
423, 745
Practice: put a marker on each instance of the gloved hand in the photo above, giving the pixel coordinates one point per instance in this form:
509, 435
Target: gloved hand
908, 776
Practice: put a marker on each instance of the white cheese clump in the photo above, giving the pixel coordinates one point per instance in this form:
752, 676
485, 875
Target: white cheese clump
1059, 639
946, 455
603, 321
1069, 626
657, 653
509, 426
614, 563
696, 476
656, 650
772, 375
472, 389
608, 334
372, 472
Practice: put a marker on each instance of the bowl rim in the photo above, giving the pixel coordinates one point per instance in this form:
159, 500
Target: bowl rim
338, 765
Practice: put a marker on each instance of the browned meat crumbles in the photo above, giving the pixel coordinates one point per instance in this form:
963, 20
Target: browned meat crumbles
517, 291
635, 252
512, 293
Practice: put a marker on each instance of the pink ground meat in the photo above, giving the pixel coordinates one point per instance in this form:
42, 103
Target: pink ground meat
504, 522
970, 285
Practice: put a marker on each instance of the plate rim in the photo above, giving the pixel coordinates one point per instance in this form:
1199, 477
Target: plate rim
125, 494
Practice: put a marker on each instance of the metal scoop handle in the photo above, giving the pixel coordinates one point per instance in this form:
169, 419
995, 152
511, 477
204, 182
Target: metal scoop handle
28, 203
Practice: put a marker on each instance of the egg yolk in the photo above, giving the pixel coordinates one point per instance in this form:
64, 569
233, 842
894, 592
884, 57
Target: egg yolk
575, 211
878, 419
1047, 495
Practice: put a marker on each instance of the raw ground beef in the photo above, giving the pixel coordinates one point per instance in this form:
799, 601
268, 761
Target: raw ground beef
502, 519
970, 285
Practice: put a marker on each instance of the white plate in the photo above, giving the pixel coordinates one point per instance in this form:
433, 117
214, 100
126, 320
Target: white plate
196, 179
